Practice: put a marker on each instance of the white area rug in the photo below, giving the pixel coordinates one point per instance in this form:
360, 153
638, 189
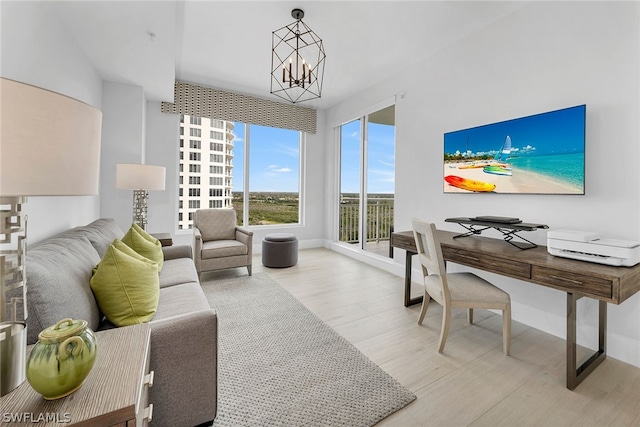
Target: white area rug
280, 365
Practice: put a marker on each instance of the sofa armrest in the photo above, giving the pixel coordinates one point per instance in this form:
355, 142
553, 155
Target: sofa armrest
184, 357
178, 251
197, 248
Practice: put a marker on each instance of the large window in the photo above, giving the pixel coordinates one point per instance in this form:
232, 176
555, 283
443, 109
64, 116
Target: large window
252, 169
273, 193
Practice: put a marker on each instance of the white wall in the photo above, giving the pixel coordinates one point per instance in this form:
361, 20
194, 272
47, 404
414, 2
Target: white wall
123, 133
162, 150
546, 56
36, 48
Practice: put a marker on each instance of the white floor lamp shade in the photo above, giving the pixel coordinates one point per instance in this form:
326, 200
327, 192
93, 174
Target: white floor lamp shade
140, 178
49, 146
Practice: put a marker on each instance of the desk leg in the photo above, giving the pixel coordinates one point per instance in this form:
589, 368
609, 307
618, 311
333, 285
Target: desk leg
407, 282
575, 374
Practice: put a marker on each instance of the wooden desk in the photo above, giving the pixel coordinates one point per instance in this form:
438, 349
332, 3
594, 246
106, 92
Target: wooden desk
577, 278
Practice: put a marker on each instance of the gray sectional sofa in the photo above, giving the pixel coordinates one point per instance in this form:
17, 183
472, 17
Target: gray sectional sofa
184, 331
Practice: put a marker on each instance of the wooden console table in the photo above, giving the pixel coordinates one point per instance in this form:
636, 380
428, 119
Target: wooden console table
115, 393
578, 279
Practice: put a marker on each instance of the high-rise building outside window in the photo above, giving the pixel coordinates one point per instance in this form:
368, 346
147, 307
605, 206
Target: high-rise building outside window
199, 177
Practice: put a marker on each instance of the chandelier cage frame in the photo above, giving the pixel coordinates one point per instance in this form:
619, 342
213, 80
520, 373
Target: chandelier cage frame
297, 61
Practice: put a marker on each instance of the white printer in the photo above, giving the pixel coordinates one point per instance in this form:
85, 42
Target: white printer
588, 246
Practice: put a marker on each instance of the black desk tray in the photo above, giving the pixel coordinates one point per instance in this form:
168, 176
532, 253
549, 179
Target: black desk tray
508, 230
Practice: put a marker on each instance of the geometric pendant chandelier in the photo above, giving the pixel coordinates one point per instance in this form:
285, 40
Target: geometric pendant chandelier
297, 61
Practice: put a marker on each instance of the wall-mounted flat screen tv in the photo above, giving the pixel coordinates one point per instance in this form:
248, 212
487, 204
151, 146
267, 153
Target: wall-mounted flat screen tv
538, 154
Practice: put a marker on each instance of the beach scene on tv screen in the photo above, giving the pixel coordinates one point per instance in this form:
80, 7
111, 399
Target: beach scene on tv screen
537, 154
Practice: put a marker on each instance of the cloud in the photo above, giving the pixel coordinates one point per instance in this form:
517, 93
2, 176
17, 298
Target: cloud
383, 175
237, 138
278, 169
289, 151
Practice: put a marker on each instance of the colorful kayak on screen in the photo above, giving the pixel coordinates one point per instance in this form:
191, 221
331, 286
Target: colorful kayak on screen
469, 184
497, 170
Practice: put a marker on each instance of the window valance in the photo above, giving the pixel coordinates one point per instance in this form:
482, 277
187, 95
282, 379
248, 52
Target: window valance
202, 101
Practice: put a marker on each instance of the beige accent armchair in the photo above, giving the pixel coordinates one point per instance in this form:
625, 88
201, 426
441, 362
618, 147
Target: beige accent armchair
456, 290
218, 243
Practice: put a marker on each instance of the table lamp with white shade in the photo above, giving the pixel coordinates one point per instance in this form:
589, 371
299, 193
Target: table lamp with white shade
140, 178
49, 146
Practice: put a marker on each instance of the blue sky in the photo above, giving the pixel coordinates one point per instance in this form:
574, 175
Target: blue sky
554, 132
274, 159
380, 161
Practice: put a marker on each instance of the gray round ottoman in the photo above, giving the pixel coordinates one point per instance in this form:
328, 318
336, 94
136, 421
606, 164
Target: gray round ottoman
279, 250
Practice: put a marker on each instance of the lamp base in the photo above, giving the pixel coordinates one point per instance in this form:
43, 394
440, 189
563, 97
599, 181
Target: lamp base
140, 198
13, 293
13, 355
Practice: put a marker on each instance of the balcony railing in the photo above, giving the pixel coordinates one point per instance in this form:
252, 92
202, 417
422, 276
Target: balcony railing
379, 217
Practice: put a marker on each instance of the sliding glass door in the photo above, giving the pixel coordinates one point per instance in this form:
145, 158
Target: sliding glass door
350, 182
367, 176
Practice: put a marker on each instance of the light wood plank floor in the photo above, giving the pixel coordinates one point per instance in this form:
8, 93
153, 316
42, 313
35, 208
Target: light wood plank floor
472, 383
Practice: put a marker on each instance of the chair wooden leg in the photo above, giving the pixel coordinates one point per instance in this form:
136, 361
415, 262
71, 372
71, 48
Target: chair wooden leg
249, 269
425, 305
444, 332
470, 316
506, 330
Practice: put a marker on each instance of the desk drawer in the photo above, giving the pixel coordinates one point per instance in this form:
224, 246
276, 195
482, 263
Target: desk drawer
572, 282
519, 270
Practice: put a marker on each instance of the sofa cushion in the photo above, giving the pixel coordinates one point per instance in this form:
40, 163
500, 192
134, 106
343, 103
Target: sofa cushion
177, 271
144, 244
216, 224
179, 300
58, 274
223, 248
101, 233
126, 285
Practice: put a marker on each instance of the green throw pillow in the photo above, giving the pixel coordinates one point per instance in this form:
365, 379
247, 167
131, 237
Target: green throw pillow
144, 244
126, 286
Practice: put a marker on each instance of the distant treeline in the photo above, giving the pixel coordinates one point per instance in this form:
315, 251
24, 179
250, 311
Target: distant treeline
459, 157
283, 207
355, 197
268, 207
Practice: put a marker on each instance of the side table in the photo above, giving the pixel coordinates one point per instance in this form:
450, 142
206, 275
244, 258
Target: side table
165, 238
115, 393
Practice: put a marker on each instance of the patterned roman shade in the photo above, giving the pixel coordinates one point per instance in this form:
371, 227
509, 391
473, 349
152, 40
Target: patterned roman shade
204, 101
